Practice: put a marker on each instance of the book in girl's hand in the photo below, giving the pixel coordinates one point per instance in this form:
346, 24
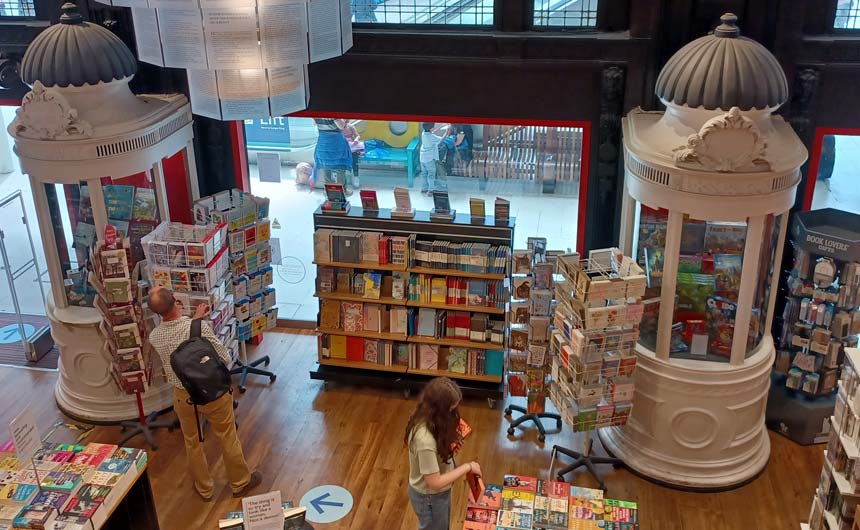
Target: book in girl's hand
476, 487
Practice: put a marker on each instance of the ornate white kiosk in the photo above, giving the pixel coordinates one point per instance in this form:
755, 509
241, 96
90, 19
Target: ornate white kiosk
93, 151
709, 184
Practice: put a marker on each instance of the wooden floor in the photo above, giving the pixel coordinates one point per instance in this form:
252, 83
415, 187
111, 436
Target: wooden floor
301, 436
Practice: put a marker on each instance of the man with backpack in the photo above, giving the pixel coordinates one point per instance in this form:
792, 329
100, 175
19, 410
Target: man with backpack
195, 362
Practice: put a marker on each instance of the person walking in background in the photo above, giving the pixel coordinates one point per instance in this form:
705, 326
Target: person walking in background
431, 435
428, 155
356, 146
332, 155
166, 338
364, 10
463, 144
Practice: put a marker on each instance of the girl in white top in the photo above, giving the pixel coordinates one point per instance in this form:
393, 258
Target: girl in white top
431, 434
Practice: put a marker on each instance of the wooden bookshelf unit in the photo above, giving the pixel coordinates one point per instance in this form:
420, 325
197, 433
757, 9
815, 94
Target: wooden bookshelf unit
399, 298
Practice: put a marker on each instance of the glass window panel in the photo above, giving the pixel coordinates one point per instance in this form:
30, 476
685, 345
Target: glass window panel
423, 12
560, 14
17, 9
74, 231
847, 14
537, 168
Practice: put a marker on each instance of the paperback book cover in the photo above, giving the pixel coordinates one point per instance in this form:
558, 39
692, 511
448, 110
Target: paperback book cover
490, 498
145, 207
520, 483
369, 201
119, 201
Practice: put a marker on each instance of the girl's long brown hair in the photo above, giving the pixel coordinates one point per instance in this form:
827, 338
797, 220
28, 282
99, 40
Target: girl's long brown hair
434, 411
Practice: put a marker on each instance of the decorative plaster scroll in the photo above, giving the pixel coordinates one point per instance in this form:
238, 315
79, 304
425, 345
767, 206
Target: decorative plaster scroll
46, 115
729, 143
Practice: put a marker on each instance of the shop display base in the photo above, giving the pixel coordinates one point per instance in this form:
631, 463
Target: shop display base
146, 426
534, 418
797, 417
251, 369
582, 460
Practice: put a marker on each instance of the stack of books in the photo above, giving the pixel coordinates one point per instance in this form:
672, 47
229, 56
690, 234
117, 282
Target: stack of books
477, 209
503, 211
351, 246
336, 202
524, 503
442, 207
402, 204
74, 483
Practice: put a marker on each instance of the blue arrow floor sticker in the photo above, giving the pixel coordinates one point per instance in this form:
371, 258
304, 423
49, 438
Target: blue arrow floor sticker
326, 504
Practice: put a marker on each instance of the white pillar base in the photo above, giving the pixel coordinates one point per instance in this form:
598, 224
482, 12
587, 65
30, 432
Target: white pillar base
696, 424
85, 389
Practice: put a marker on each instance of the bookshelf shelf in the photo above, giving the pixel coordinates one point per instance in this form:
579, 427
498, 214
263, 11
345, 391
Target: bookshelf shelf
349, 297
461, 274
455, 307
405, 239
365, 334
841, 482
363, 266
456, 375
847, 399
850, 446
343, 363
456, 343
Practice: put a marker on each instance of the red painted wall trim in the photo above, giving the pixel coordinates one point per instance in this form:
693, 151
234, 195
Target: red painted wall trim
584, 163
583, 188
240, 155
815, 159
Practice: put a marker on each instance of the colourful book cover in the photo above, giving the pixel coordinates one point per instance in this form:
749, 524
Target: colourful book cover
33, 516
119, 201
89, 459
490, 498
520, 483
517, 500
145, 207
93, 492
372, 285
104, 478
21, 493
112, 465
61, 481
481, 515
82, 508
52, 498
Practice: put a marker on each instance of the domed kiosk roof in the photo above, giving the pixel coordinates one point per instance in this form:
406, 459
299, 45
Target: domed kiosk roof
76, 53
723, 70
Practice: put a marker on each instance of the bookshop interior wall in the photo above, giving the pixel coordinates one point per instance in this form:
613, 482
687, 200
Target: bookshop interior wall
95, 155
539, 168
705, 215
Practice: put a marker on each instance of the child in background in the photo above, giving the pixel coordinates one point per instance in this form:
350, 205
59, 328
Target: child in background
429, 155
431, 435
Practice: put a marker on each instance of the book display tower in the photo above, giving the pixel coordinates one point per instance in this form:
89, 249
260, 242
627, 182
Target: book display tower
250, 261
596, 327
125, 326
530, 310
820, 319
834, 506
406, 300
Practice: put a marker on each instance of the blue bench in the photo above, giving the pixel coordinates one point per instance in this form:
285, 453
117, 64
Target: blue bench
395, 158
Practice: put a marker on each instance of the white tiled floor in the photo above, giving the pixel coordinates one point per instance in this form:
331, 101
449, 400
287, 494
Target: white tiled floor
537, 214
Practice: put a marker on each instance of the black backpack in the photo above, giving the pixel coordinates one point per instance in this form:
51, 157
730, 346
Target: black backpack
199, 368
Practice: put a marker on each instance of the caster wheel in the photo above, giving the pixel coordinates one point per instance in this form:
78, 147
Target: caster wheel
242, 389
266, 362
560, 477
122, 429
508, 411
617, 465
541, 438
155, 448
407, 393
491, 403
510, 432
272, 379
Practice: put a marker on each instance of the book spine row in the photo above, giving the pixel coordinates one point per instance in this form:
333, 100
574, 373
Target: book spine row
481, 258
